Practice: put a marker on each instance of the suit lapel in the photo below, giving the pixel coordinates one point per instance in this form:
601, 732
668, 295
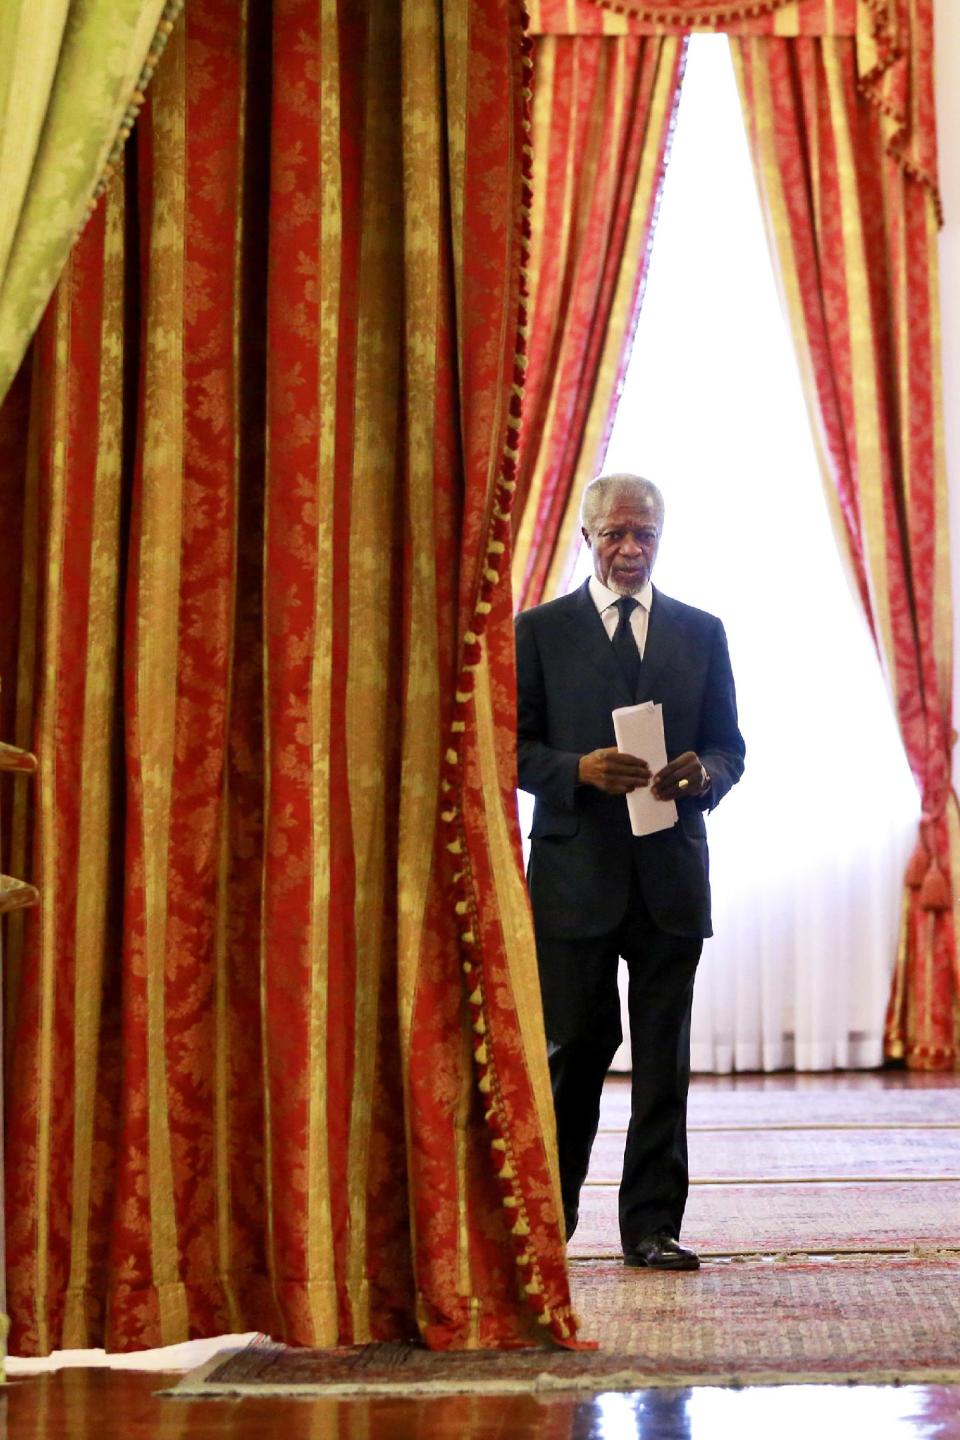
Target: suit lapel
585, 629
663, 633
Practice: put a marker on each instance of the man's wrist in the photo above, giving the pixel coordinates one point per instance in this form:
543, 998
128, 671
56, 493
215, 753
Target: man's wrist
704, 779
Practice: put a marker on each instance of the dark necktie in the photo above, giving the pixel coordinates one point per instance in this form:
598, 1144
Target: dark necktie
624, 645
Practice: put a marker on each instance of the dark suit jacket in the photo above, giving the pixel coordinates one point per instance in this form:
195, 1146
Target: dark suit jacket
582, 851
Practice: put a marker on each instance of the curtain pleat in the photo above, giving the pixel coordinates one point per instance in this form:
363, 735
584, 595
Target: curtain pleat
72, 78
854, 238
603, 112
14, 425
61, 1005
276, 1046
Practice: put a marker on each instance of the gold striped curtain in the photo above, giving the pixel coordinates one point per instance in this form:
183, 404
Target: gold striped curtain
276, 1047
854, 237
602, 115
607, 82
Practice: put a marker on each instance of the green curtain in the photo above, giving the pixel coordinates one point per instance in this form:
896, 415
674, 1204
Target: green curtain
72, 74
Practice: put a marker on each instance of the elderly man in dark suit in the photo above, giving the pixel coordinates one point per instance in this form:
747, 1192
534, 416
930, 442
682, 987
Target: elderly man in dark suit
598, 892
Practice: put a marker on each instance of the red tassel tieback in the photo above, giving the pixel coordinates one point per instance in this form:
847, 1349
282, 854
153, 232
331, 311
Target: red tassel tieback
935, 891
918, 866
924, 874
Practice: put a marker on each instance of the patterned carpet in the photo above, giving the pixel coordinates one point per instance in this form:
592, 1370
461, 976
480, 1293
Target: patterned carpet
763, 1321
809, 1275
769, 1219
861, 1162
802, 1155
759, 1323
804, 1100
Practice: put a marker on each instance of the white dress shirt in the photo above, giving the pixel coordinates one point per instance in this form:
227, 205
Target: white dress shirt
606, 602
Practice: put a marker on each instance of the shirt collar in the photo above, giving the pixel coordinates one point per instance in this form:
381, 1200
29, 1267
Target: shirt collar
603, 597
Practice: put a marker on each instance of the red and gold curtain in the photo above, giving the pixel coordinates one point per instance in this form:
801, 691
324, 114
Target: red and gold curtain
838, 96
855, 236
607, 83
602, 116
275, 1041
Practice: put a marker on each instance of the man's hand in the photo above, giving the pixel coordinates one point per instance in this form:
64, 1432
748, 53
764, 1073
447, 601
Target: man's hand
668, 782
613, 772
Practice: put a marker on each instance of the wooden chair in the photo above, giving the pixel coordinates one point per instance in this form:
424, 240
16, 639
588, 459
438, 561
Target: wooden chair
16, 894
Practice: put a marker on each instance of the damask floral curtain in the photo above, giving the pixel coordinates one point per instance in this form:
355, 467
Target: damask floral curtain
855, 237
602, 115
838, 96
275, 1040
72, 77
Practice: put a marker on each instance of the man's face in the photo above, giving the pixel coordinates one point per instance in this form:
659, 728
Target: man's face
624, 544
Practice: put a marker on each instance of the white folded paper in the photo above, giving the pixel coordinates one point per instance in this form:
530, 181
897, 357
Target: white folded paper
639, 732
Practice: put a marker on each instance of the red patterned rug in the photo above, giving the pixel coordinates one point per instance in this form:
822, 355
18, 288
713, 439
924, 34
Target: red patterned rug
748, 1155
802, 1100
769, 1219
756, 1323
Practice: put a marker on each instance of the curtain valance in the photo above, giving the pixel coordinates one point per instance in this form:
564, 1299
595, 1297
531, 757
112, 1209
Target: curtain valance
894, 41
672, 16
748, 17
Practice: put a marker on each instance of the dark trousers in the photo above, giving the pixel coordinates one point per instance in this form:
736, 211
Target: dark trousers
578, 980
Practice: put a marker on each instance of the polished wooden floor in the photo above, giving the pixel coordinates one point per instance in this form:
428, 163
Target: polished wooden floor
121, 1405
99, 1402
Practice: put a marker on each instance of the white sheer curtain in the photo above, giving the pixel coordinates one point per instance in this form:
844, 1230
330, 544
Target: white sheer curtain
808, 852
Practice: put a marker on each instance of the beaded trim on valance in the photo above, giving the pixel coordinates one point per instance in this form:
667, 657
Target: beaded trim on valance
894, 40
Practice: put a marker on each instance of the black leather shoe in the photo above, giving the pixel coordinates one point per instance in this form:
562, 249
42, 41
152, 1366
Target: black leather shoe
660, 1252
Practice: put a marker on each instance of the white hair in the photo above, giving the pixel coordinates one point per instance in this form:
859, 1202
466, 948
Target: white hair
598, 495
